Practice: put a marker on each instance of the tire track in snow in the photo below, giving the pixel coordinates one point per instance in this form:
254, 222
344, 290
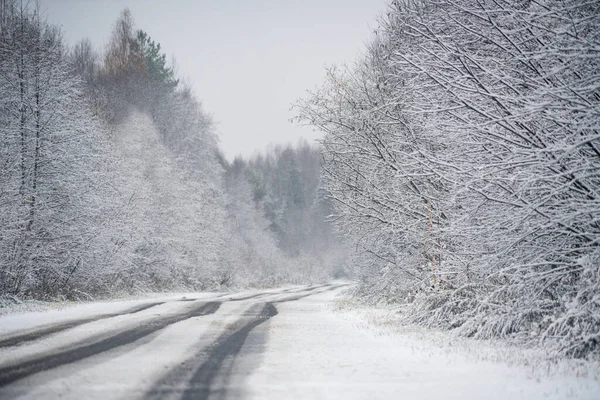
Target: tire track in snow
187, 382
23, 369
19, 338
31, 335
226, 346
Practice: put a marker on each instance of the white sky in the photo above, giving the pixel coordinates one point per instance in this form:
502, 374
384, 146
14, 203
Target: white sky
248, 61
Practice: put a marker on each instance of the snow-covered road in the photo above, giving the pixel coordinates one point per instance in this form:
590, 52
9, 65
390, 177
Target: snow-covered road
273, 344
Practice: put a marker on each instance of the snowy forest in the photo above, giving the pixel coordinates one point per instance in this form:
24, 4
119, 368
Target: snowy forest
112, 180
457, 178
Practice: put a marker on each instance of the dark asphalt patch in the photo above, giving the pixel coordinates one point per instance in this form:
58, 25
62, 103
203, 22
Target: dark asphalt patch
12, 373
48, 330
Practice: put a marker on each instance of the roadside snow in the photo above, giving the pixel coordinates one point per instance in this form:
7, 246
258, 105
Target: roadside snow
539, 365
315, 352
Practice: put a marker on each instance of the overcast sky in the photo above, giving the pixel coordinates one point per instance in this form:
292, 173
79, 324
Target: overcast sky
247, 60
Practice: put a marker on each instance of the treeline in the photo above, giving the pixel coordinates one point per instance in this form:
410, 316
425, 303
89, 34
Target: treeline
111, 179
284, 183
463, 156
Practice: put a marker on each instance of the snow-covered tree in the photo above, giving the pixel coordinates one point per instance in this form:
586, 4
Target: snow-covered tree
55, 186
463, 156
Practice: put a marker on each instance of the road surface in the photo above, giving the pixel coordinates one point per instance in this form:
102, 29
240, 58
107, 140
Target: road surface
273, 344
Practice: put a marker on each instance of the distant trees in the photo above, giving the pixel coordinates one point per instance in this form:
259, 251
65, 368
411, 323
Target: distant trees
132, 73
462, 155
85, 60
284, 184
253, 255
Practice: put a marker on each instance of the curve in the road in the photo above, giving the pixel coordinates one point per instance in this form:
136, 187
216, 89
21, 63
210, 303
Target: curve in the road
252, 296
284, 291
310, 293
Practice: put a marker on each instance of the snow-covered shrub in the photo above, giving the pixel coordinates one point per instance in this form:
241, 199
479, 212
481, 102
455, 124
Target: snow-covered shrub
463, 156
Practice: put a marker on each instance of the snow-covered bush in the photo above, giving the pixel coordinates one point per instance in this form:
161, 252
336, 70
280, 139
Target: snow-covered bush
464, 158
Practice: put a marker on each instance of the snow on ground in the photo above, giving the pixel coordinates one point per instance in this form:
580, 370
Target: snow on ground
315, 352
132, 370
317, 346
34, 314
384, 321
82, 334
19, 316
